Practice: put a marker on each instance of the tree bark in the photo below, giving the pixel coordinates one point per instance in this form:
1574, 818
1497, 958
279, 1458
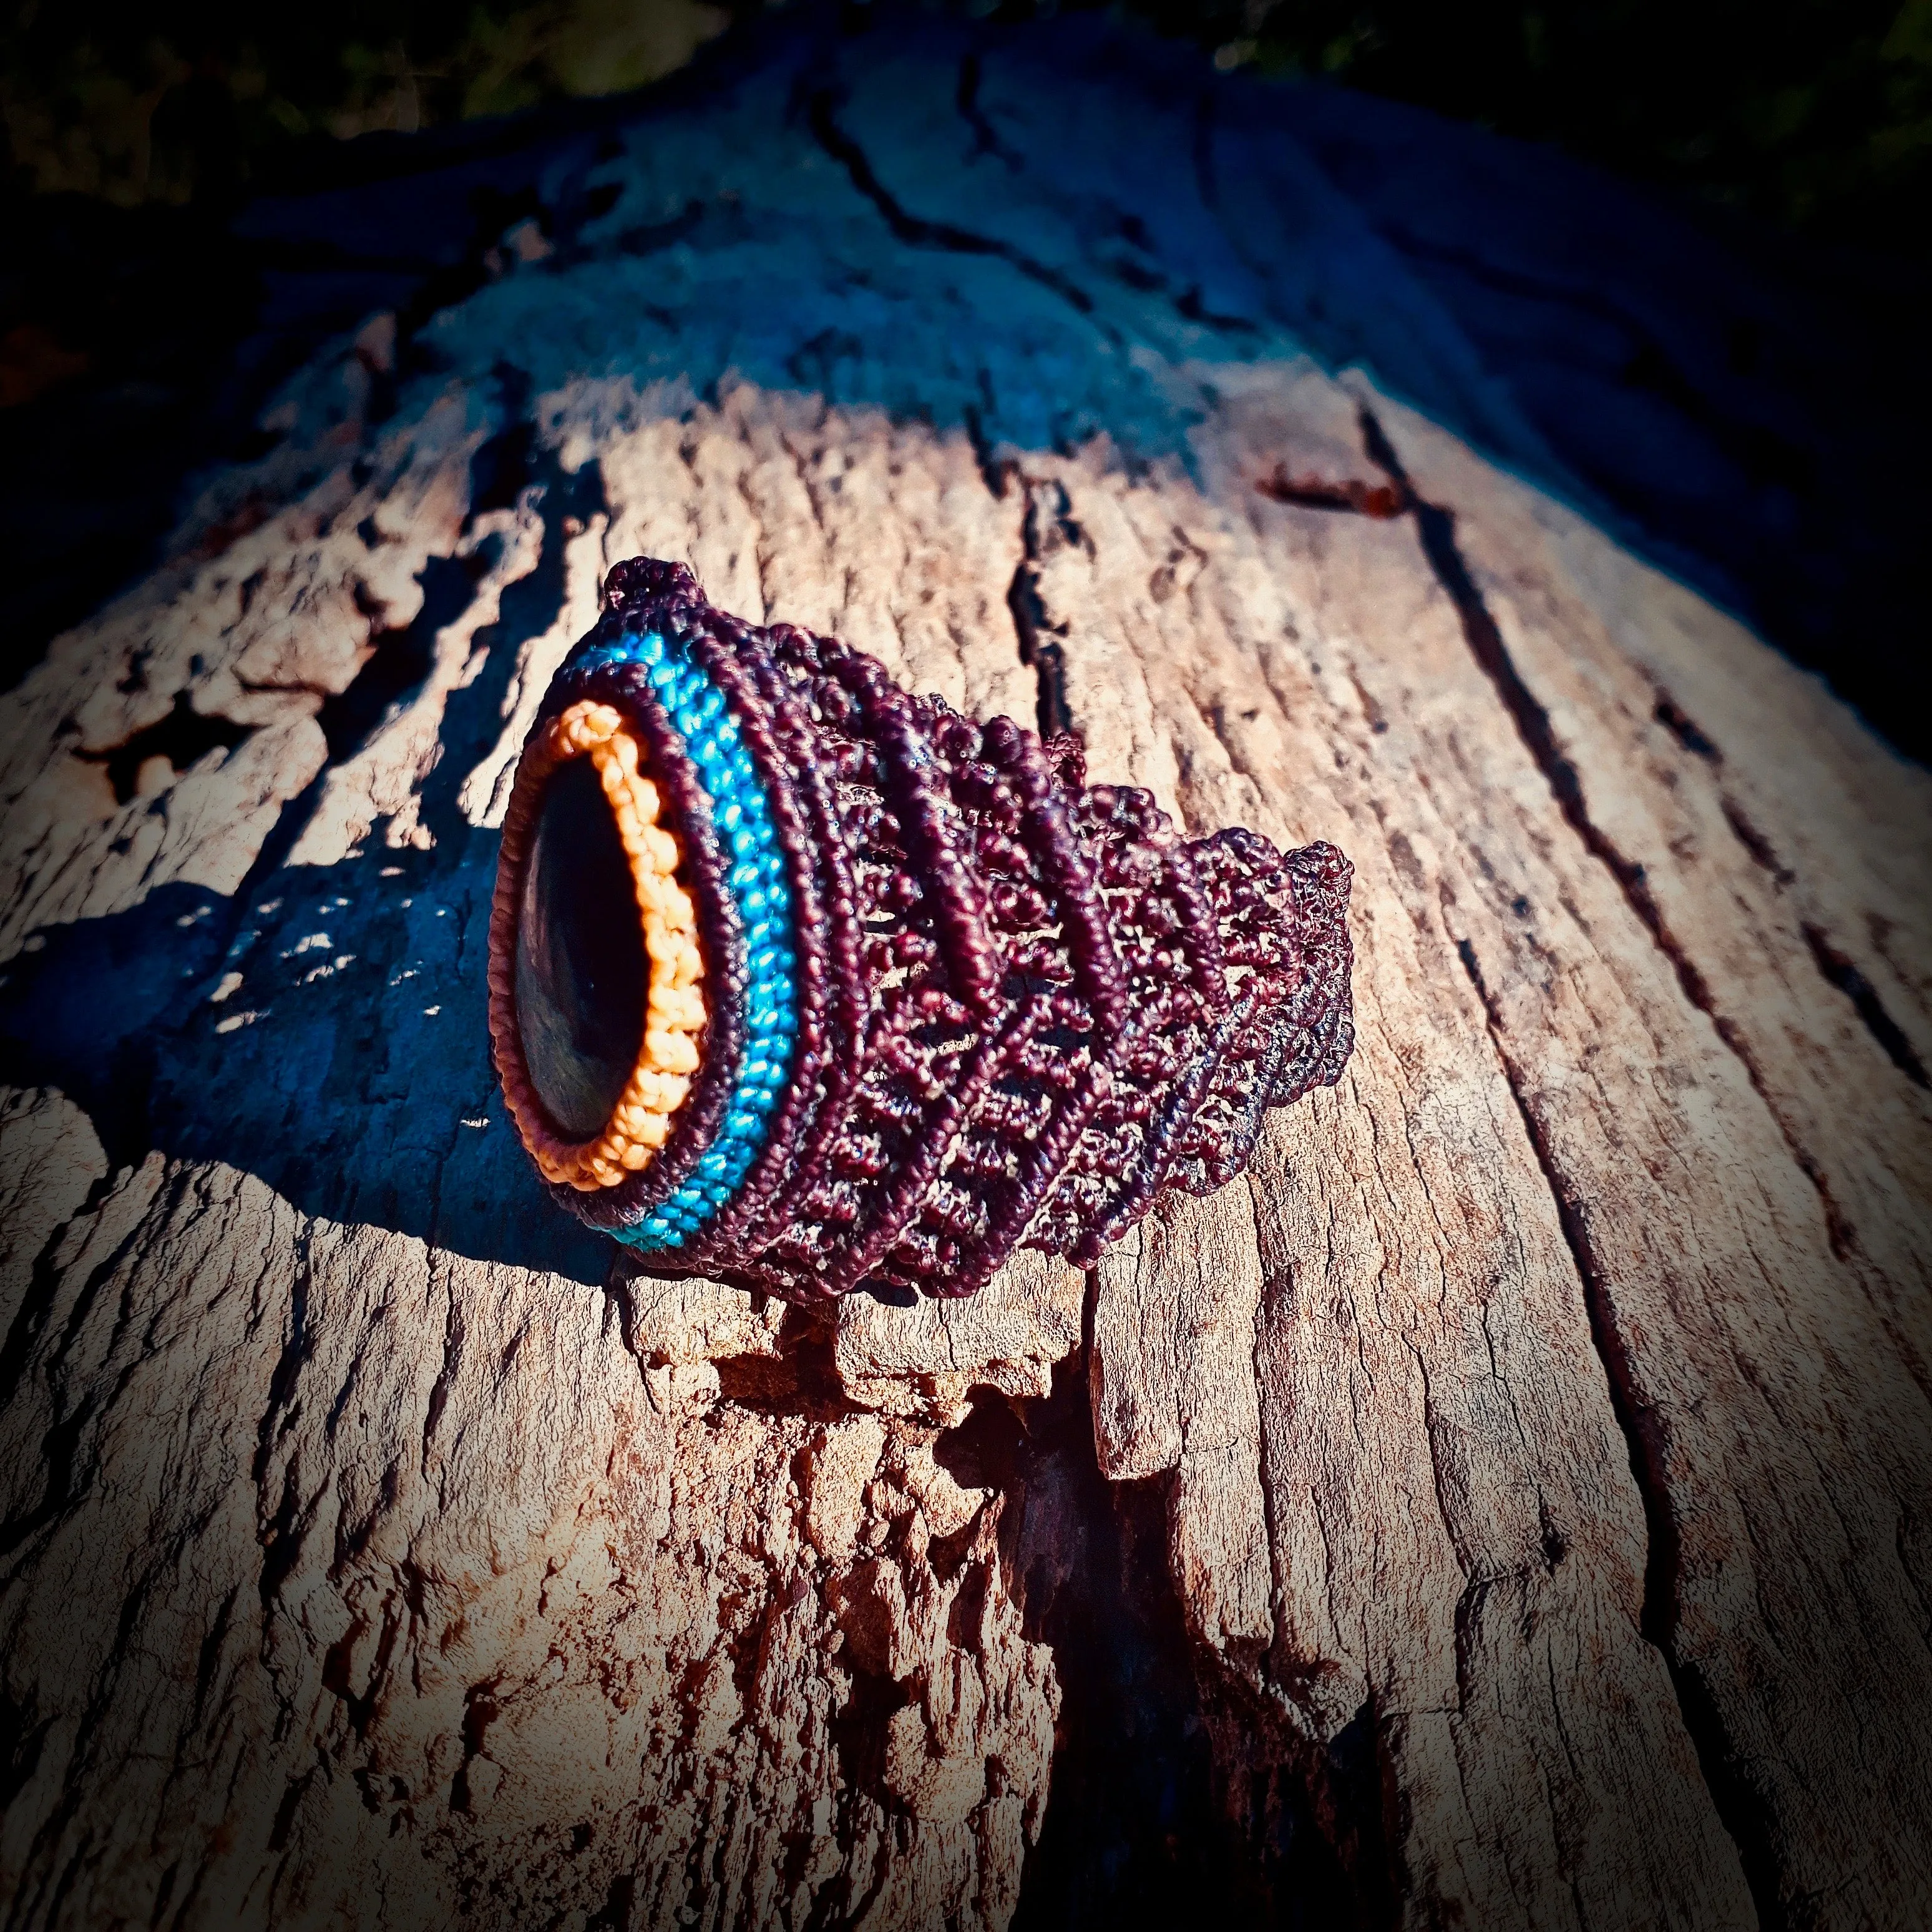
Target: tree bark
1515, 1488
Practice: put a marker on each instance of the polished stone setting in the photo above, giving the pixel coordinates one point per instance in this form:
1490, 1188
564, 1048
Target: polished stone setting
583, 979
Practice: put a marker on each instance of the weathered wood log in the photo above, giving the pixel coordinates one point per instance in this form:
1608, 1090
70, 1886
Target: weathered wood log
1538, 1438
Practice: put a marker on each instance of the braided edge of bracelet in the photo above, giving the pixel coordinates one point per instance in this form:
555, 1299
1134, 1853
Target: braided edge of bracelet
675, 1019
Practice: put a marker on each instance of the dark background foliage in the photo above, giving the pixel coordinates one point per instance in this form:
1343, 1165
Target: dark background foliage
1813, 113
138, 341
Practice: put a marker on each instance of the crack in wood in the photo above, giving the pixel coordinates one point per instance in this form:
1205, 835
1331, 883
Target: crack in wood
1839, 969
916, 232
985, 137
1383, 502
1741, 1810
1843, 973
1047, 524
1436, 526
1684, 730
1745, 830
180, 740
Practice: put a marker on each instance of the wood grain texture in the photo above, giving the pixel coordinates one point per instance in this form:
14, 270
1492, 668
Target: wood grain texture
1541, 1428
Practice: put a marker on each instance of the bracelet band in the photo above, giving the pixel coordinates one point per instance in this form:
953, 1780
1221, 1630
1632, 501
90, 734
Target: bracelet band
802, 982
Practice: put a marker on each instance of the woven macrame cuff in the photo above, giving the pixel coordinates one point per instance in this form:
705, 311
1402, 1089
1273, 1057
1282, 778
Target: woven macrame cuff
818, 984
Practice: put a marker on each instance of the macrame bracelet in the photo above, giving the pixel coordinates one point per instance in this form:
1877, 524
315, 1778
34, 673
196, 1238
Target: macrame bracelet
802, 982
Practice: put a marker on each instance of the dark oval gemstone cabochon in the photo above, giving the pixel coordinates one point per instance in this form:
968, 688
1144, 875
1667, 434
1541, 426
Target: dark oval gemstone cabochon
583, 979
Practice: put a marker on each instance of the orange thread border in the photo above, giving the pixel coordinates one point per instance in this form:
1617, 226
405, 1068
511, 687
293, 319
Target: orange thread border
675, 1013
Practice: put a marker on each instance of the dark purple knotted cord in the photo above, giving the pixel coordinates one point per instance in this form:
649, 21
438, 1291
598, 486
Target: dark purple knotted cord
1026, 1006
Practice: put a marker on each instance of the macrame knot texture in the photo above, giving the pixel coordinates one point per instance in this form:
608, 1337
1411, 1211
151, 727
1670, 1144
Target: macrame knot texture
802, 982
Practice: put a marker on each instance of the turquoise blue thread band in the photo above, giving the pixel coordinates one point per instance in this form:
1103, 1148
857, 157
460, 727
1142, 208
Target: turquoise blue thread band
759, 889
